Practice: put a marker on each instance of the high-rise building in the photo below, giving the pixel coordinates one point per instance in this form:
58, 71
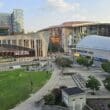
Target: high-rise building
17, 21
5, 23
12, 23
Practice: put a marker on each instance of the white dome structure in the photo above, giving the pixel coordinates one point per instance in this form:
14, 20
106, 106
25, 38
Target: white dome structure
95, 46
95, 42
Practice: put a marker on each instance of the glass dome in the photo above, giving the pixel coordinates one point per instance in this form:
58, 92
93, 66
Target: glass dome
95, 42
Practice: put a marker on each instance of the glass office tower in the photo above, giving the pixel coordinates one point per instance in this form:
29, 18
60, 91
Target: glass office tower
17, 21
12, 23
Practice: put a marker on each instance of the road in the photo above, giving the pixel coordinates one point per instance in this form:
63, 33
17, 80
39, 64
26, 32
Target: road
6, 66
29, 104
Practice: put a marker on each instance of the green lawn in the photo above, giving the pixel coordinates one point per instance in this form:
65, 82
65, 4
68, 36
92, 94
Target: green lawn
16, 85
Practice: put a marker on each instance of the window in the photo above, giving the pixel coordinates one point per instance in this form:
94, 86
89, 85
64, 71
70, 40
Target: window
8, 41
4, 42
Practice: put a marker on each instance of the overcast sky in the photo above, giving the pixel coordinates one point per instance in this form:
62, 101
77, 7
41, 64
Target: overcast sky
39, 14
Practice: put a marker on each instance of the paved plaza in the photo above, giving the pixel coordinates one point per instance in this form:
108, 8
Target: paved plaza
98, 73
58, 79
29, 104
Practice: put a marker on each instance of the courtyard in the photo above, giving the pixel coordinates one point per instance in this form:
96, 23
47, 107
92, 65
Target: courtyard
81, 77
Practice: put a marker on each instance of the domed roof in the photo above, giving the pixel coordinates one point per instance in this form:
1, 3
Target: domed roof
95, 42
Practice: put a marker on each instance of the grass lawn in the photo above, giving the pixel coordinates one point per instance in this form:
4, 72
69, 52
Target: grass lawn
16, 85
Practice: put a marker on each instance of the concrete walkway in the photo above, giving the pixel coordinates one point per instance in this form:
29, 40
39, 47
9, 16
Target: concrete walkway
99, 74
57, 80
29, 104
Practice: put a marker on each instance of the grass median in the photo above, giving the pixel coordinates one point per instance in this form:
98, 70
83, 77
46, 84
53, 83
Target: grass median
17, 85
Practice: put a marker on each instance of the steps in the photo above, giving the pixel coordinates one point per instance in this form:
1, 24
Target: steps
79, 81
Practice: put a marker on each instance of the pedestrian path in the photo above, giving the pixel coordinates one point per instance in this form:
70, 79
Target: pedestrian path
29, 104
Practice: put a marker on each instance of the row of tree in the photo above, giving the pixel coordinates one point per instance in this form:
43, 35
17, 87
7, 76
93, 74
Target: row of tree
106, 68
85, 61
88, 61
92, 82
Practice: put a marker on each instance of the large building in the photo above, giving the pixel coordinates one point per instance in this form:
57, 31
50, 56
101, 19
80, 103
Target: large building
11, 23
17, 21
23, 45
5, 24
97, 47
68, 34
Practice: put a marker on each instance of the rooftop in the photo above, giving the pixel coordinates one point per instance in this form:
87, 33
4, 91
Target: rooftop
72, 24
75, 23
69, 24
73, 91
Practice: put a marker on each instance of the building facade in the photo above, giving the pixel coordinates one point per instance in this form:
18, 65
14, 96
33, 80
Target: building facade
5, 24
65, 36
17, 21
34, 42
68, 34
11, 23
96, 47
75, 98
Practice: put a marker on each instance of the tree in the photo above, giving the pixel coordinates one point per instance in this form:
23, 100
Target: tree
55, 47
109, 106
107, 83
49, 99
63, 62
55, 97
58, 94
85, 61
106, 66
93, 84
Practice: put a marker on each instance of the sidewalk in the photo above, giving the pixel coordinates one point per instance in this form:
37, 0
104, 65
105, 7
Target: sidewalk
29, 104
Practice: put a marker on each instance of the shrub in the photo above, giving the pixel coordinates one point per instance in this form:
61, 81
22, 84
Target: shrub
49, 99
55, 97
93, 84
107, 83
57, 94
85, 61
106, 66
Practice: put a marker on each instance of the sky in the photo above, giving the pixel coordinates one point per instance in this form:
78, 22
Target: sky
40, 14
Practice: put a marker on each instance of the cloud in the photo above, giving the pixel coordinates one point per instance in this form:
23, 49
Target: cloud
1, 4
80, 17
63, 6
